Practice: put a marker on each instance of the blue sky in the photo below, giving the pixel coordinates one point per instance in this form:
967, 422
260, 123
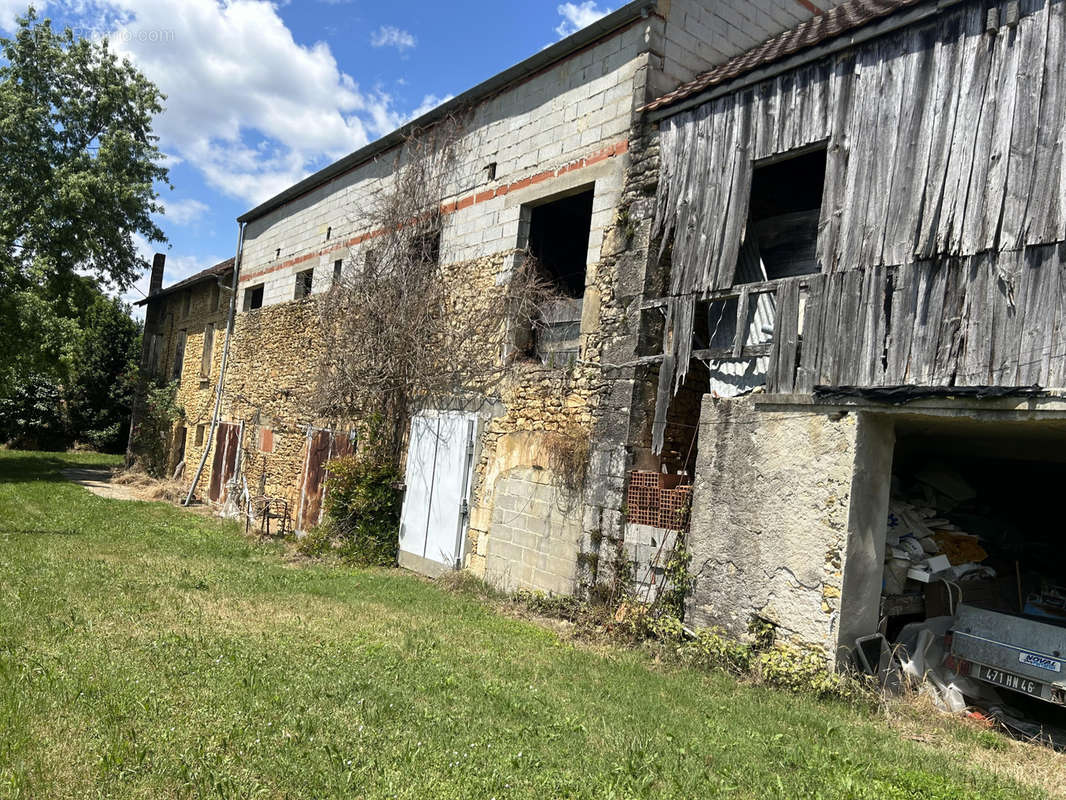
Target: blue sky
260, 94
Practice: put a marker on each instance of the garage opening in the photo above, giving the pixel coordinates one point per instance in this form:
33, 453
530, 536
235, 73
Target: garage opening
974, 558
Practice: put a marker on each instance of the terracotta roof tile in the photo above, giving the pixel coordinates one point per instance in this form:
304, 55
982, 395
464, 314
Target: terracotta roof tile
846, 17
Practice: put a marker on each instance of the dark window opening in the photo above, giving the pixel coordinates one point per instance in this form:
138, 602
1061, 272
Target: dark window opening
304, 281
490, 172
425, 247
253, 297
277, 253
186, 303
208, 354
179, 355
782, 233
200, 432
338, 265
329, 233
559, 240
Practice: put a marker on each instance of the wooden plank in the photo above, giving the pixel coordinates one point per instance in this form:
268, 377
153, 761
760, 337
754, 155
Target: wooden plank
739, 340
841, 84
883, 156
1047, 222
786, 336
901, 325
973, 366
1032, 34
1038, 317
1003, 361
974, 236
949, 347
1005, 93
930, 301
810, 344
1056, 377
862, 130
833, 343
872, 315
848, 345
976, 62
914, 140
949, 50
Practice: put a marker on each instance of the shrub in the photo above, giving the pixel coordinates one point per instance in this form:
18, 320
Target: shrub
32, 415
155, 428
363, 504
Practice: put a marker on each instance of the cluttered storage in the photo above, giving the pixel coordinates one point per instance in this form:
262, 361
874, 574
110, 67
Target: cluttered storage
973, 604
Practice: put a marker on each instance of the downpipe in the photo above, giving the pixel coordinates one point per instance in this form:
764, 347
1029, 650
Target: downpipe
222, 367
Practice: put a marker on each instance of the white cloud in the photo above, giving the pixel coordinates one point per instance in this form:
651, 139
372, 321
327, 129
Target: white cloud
578, 15
182, 212
11, 9
429, 102
247, 105
390, 36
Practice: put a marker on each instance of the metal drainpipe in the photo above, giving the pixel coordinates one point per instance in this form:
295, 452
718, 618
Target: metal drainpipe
222, 366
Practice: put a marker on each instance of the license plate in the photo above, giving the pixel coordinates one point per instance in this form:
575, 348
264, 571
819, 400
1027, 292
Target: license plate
1041, 662
1009, 681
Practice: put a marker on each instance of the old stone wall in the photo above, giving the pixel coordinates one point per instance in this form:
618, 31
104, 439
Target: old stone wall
770, 517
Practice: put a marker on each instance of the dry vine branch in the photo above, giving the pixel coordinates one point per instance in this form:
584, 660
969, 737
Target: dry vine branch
402, 331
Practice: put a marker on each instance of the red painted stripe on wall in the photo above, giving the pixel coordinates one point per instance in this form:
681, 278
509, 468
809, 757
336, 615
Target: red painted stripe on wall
612, 150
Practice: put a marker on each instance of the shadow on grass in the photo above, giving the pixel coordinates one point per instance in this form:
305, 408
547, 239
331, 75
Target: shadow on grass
21, 466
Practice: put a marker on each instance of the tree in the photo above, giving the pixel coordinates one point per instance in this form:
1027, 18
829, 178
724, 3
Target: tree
79, 162
104, 376
403, 331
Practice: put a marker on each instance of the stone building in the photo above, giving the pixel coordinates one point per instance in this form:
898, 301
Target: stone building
821, 289
553, 159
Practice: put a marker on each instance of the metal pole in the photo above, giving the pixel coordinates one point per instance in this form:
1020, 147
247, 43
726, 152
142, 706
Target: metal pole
222, 366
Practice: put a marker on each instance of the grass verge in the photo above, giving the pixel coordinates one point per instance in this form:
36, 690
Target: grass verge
146, 652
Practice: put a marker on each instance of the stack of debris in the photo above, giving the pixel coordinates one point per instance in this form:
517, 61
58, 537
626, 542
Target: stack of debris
925, 544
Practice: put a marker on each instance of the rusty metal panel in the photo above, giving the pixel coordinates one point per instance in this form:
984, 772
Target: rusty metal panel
317, 454
225, 460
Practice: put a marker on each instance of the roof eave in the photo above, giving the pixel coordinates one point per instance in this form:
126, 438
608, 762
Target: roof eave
848, 39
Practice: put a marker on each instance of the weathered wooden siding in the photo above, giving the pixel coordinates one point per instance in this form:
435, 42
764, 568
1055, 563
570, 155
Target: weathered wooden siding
951, 322
944, 142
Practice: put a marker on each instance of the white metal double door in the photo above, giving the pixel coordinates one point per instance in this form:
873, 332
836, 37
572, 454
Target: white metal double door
436, 505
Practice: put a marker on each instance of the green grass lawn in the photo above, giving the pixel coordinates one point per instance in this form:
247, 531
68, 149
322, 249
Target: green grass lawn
150, 652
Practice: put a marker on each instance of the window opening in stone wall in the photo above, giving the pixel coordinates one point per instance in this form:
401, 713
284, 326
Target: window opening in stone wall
329, 233
216, 297
304, 281
186, 303
559, 233
179, 354
209, 350
201, 431
425, 248
338, 266
782, 231
253, 297
155, 354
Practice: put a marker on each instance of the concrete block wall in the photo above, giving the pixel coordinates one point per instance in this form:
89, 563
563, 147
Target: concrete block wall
534, 533
702, 33
563, 127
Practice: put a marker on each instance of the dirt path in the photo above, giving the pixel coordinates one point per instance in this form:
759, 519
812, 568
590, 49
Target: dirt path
98, 481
